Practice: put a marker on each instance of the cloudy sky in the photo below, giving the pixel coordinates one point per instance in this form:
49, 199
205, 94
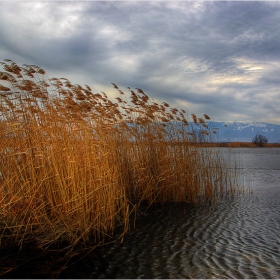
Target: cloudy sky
218, 58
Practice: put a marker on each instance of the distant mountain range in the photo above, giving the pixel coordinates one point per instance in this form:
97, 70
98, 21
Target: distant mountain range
244, 132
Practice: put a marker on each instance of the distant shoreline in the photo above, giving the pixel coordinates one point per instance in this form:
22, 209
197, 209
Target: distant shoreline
238, 145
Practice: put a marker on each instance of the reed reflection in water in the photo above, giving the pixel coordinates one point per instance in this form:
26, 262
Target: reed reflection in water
238, 239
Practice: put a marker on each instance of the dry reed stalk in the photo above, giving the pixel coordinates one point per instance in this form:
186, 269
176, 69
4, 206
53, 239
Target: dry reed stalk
74, 164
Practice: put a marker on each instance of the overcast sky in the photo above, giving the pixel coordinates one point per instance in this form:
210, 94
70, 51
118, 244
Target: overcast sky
218, 58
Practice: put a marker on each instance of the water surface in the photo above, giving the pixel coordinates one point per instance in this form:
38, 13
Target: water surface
237, 239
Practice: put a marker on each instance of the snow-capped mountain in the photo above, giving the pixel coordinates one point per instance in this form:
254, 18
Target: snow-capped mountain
244, 132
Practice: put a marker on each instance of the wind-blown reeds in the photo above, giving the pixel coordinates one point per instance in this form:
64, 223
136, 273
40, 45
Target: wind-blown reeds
74, 164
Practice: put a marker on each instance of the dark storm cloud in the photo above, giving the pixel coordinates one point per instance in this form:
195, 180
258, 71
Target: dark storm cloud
217, 57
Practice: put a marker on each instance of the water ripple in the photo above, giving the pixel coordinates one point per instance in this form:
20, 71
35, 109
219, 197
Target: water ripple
238, 239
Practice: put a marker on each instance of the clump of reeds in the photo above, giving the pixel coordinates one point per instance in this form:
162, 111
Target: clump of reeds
74, 164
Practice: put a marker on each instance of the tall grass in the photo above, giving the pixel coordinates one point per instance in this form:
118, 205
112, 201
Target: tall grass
74, 164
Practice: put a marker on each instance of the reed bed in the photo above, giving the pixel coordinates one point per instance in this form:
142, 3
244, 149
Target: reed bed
74, 164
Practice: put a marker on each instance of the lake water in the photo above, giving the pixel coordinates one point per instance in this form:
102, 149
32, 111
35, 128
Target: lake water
240, 238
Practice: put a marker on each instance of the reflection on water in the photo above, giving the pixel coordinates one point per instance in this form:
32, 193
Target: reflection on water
238, 239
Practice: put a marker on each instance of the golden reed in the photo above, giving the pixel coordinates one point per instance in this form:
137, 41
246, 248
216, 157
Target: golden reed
75, 164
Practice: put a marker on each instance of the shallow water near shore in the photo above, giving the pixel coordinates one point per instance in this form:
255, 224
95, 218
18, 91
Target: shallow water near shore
239, 238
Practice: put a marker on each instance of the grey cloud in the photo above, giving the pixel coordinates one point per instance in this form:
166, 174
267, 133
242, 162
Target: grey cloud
172, 50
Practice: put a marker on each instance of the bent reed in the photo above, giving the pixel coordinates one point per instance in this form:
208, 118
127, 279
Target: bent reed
74, 165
